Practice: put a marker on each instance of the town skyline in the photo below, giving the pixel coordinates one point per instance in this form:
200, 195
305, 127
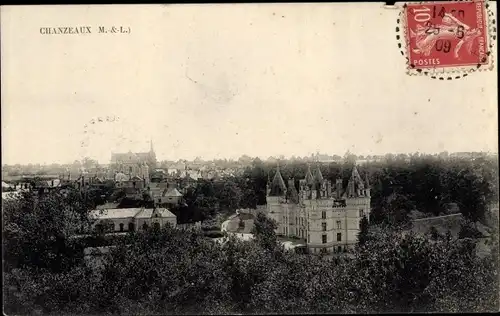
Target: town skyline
311, 157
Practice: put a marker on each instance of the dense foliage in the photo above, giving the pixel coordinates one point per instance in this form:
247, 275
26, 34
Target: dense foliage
427, 184
169, 271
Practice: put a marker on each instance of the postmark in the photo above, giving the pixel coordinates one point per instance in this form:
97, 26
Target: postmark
447, 37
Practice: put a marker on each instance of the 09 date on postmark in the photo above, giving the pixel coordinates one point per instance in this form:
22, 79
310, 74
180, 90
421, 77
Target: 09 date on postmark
452, 36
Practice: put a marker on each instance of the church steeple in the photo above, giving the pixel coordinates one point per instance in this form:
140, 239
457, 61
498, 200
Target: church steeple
151, 148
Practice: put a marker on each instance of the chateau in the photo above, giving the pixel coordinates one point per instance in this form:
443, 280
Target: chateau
327, 217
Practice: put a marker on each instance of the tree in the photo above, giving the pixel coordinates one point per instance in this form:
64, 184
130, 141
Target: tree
38, 229
468, 230
434, 233
264, 232
363, 231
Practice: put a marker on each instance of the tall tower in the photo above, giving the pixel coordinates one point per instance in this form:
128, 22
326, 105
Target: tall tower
152, 157
275, 199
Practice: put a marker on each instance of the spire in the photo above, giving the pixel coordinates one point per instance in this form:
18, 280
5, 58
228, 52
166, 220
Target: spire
151, 148
355, 183
367, 181
278, 187
309, 177
318, 176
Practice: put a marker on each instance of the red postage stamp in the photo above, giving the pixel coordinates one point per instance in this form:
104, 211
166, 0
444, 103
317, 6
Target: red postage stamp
444, 35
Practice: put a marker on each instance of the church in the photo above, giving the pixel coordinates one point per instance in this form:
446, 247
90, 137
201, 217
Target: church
327, 217
132, 164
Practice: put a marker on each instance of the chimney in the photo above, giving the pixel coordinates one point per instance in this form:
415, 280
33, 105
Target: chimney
338, 188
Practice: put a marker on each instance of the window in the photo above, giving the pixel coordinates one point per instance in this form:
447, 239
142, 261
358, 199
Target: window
339, 249
121, 227
325, 238
308, 238
339, 225
361, 213
323, 215
339, 236
323, 225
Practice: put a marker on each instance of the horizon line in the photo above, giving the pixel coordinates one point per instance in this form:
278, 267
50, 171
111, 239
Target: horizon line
275, 157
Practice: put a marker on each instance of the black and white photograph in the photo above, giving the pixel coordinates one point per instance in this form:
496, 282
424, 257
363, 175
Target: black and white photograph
251, 158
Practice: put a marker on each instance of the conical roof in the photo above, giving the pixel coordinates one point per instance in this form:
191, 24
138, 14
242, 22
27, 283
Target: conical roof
309, 177
318, 176
355, 183
278, 187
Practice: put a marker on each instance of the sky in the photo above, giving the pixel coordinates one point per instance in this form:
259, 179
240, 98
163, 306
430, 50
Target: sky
220, 81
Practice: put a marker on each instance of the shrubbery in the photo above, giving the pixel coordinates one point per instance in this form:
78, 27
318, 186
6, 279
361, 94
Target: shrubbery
171, 271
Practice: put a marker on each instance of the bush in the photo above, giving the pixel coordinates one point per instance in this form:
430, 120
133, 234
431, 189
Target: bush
210, 228
213, 234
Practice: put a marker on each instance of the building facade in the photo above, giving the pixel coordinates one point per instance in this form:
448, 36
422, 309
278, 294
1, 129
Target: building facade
132, 219
327, 217
132, 164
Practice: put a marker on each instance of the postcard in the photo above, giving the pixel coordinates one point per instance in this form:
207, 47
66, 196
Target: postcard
250, 158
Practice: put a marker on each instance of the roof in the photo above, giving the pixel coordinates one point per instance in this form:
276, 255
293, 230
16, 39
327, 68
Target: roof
97, 250
278, 187
131, 213
6, 185
318, 176
10, 195
107, 206
121, 177
173, 192
309, 177
452, 222
115, 213
355, 183
165, 213
145, 213
149, 212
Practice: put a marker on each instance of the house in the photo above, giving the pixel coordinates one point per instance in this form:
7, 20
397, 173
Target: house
169, 196
131, 219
